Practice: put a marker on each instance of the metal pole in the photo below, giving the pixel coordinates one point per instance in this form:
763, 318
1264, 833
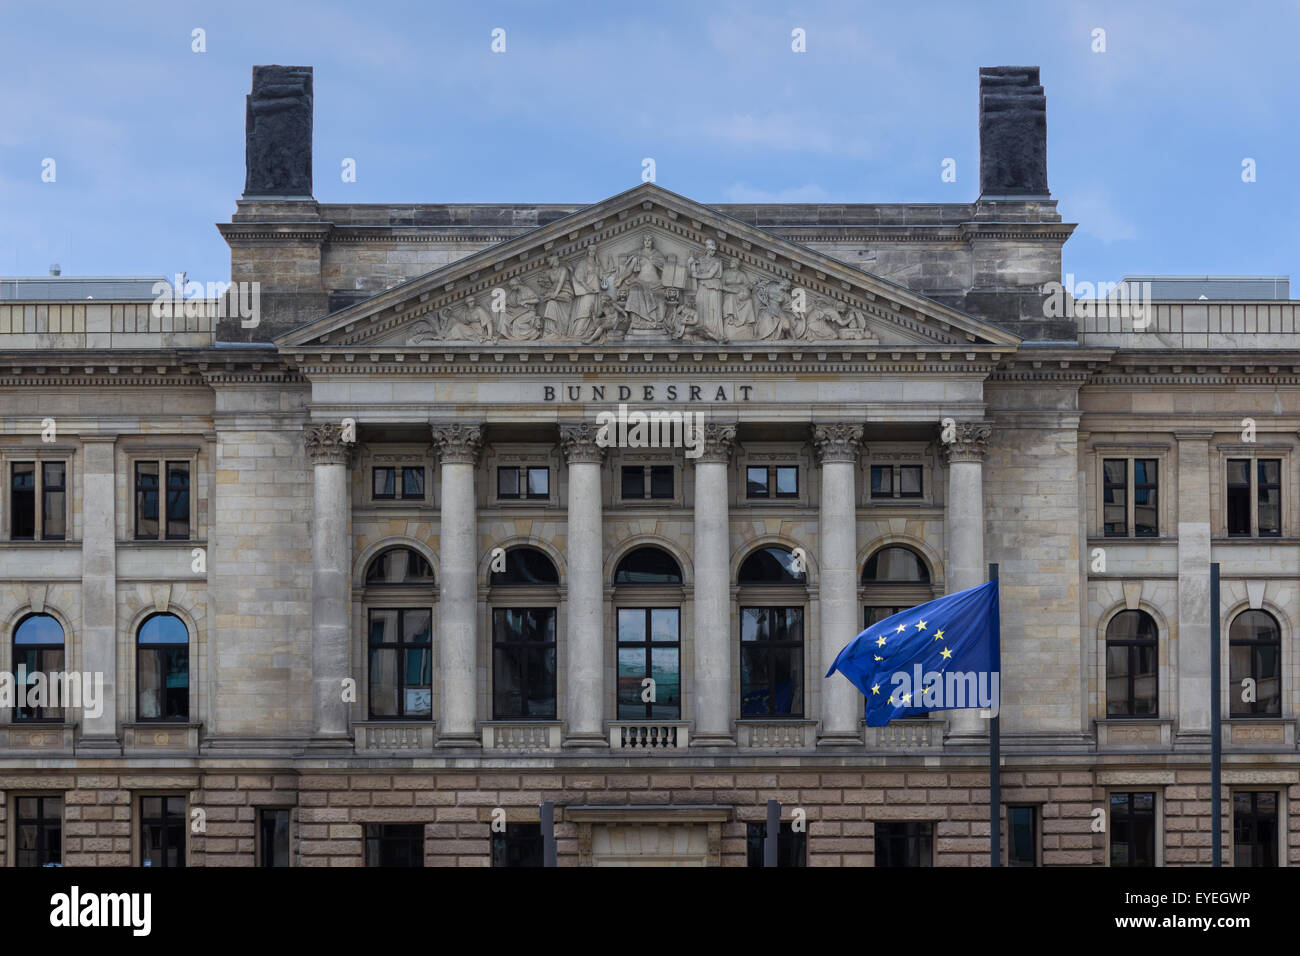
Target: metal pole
995, 767
1216, 732
773, 833
548, 833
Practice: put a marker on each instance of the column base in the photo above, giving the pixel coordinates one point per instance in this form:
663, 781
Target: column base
329, 743
586, 741
98, 747
458, 742
840, 740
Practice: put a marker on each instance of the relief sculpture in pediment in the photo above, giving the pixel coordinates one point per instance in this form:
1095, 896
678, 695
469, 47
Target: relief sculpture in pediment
615, 292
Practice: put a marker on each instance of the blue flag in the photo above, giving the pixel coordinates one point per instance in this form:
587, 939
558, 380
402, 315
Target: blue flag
942, 655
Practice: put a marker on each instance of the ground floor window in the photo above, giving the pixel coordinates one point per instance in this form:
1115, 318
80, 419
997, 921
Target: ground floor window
273, 836
38, 831
519, 845
791, 845
1254, 828
1022, 836
162, 831
395, 844
905, 843
1133, 829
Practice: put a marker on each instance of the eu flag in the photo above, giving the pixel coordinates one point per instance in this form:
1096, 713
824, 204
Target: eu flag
943, 655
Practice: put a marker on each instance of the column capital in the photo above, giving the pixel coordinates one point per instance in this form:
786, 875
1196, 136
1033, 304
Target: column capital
719, 442
578, 439
457, 442
840, 441
969, 442
325, 445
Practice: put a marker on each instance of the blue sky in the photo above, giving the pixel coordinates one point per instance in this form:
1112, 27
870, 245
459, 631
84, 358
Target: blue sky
1145, 141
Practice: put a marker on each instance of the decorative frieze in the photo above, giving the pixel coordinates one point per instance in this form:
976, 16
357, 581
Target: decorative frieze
457, 443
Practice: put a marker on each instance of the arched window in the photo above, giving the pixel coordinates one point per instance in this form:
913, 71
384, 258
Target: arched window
523, 636
773, 565
1132, 676
402, 566
1255, 654
771, 634
162, 672
648, 566
894, 579
38, 649
649, 637
399, 636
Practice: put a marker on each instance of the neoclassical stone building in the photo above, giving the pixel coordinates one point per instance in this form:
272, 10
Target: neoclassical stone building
366, 583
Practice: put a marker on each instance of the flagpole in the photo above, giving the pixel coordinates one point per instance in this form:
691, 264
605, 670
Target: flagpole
995, 765
1216, 732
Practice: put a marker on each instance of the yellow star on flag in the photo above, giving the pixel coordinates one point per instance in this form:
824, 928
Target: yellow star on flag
907, 698
938, 635
875, 688
880, 642
920, 626
946, 653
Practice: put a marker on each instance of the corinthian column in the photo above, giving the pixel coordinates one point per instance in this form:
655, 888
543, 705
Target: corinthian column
331, 588
837, 449
714, 698
458, 448
585, 657
965, 520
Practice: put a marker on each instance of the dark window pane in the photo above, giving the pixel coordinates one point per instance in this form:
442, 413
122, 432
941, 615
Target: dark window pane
648, 566
162, 831
1131, 659
162, 669
661, 481
894, 565
633, 482
523, 662
756, 481
38, 831
1238, 503
54, 503
519, 845
146, 499
882, 481
904, 844
1145, 501
399, 566
770, 566
1270, 496
1022, 836
1132, 829
22, 501
1255, 828
178, 500
273, 834
507, 482
395, 844
1115, 497
413, 483
1254, 658
791, 846
526, 566
771, 661
384, 481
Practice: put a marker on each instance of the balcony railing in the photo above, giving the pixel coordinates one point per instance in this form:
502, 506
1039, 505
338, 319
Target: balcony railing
394, 736
776, 734
649, 735
908, 735
521, 736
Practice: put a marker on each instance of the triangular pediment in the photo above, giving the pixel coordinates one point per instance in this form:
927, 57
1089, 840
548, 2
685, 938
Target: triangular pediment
646, 267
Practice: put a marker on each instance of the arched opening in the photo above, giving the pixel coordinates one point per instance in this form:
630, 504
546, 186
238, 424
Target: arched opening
894, 579
1132, 676
649, 635
38, 649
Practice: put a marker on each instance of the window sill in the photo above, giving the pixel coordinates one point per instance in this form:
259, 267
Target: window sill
37, 736
1154, 733
160, 736
1252, 732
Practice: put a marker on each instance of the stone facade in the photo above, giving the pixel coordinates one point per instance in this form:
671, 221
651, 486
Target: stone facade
463, 340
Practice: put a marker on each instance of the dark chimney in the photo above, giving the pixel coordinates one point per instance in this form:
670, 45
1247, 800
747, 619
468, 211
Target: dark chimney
1013, 133
277, 129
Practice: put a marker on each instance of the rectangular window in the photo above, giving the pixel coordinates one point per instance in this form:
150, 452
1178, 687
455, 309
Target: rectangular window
38, 831
771, 661
772, 481
28, 482
1022, 836
905, 844
1238, 504
640, 482
897, 481
1133, 829
395, 844
1269, 476
384, 484
649, 646
162, 831
273, 836
413, 483
519, 845
523, 663
1254, 828
1114, 490
175, 519
516, 483
791, 847
401, 663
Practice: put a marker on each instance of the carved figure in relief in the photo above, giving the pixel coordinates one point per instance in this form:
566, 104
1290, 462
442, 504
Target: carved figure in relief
773, 320
586, 297
737, 300
639, 277
520, 321
559, 298
707, 273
